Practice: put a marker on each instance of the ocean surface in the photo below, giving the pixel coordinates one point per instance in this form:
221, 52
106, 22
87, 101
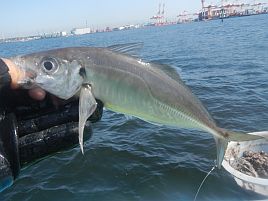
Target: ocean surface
225, 65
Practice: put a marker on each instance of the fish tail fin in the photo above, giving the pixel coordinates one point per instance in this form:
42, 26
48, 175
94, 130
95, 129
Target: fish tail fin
227, 136
221, 145
237, 136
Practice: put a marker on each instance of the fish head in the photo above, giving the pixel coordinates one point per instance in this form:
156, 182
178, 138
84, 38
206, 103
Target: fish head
52, 71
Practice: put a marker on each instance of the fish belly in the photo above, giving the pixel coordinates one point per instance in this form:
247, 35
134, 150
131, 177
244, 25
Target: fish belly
130, 96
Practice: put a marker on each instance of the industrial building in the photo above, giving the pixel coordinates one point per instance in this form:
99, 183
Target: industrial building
81, 31
235, 8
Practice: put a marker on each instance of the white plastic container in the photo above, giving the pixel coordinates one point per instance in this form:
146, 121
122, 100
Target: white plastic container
235, 149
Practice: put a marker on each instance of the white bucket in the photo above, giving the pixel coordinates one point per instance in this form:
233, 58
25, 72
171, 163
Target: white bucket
236, 149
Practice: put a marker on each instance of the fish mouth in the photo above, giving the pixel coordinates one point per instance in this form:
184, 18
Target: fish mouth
28, 80
26, 83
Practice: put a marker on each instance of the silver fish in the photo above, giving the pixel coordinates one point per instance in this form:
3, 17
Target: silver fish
125, 84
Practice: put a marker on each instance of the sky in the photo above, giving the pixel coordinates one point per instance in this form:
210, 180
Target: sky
26, 17
30, 17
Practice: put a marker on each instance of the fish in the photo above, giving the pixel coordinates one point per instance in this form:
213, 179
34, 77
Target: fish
125, 84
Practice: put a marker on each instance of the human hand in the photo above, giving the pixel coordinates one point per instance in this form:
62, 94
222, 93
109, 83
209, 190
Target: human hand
8, 68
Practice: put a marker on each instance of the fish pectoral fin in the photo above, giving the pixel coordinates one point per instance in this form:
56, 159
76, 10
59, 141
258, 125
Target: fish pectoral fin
87, 105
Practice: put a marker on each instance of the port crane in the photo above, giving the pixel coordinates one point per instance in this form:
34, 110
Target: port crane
159, 18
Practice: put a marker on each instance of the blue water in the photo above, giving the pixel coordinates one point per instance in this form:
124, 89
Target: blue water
225, 65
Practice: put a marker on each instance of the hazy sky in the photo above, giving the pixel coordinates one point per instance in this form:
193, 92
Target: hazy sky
24, 17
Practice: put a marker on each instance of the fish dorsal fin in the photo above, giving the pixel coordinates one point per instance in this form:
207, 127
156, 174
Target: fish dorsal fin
170, 71
132, 49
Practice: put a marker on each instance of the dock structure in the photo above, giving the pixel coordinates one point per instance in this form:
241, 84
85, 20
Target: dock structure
185, 17
235, 8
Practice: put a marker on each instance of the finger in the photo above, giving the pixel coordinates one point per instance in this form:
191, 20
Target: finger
14, 71
37, 94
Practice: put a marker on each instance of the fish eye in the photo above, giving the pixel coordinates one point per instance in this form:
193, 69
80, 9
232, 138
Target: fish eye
49, 65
